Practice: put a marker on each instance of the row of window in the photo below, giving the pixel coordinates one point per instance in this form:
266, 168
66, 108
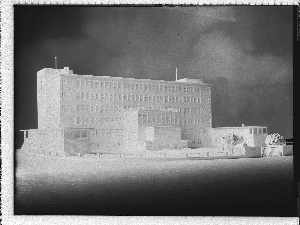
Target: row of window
163, 119
132, 86
115, 108
108, 132
258, 130
194, 142
76, 134
85, 133
96, 120
133, 97
143, 119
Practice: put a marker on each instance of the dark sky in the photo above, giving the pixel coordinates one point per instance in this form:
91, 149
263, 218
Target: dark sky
246, 52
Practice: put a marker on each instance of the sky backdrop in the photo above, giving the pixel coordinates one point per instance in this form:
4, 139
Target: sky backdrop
246, 52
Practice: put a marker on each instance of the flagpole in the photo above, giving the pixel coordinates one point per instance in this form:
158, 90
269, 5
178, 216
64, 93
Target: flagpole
55, 62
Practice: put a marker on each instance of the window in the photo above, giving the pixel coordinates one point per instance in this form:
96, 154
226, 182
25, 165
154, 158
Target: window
87, 83
158, 119
140, 119
176, 120
84, 133
78, 120
144, 118
264, 130
106, 84
254, 130
76, 134
258, 130
154, 119
167, 119
155, 87
78, 83
88, 95
78, 107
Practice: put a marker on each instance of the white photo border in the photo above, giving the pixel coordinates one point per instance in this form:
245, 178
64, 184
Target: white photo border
7, 118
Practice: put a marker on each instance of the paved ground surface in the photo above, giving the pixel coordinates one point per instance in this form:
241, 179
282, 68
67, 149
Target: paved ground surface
223, 187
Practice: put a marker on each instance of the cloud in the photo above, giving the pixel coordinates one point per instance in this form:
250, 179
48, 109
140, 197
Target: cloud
206, 14
218, 55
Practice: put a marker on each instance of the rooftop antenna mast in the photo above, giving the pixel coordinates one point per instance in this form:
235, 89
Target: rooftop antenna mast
55, 62
176, 73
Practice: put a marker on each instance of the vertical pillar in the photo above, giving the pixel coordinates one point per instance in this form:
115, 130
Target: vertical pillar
147, 117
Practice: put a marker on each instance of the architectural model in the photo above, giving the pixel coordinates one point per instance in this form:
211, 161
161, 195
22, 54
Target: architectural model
85, 114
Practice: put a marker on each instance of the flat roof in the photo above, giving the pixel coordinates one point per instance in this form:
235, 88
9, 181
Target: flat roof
181, 81
239, 127
134, 79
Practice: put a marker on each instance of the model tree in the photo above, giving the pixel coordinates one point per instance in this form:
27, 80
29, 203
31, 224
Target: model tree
230, 140
275, 139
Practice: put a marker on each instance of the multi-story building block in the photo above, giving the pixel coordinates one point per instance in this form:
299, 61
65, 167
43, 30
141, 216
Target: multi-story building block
103, 114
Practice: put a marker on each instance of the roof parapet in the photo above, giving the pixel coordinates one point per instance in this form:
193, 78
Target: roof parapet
188, 80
